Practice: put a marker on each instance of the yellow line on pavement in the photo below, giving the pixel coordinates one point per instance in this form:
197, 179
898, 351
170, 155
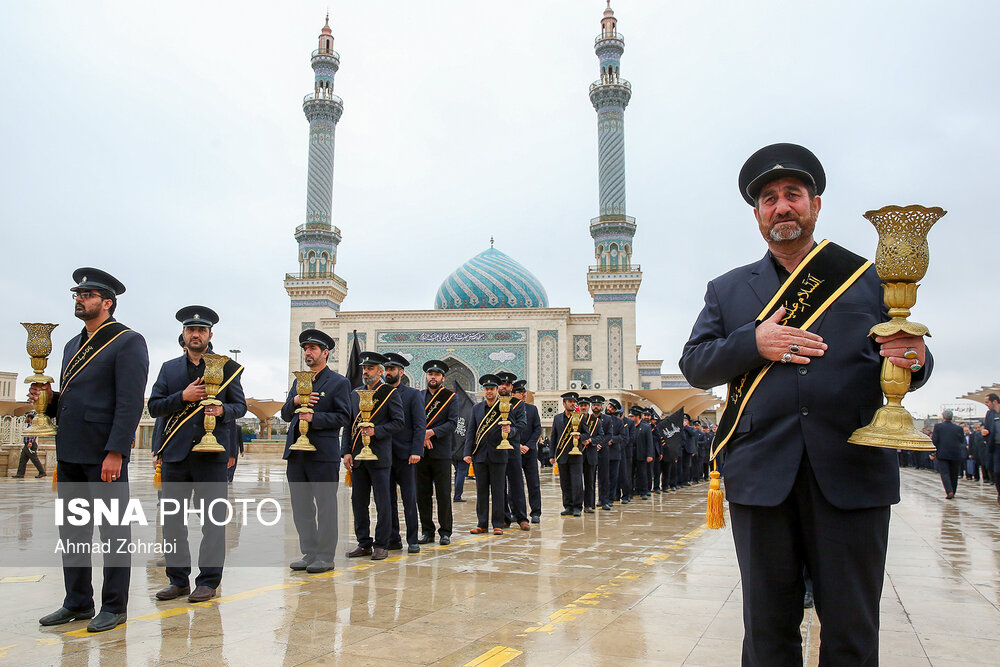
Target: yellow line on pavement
496, 656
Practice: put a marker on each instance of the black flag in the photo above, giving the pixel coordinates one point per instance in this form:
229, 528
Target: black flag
465, 404
670, 429
354, 363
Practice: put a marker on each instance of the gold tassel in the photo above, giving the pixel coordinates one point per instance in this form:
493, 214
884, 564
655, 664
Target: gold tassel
714, 516
348, 480
555, 468
55, 483
472, 471
157, 478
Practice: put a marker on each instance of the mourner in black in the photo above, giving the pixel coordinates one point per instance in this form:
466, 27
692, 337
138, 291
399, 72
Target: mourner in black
371, 477
642, 442
515, 505
951, 452
313, 476
570, 465
799, 493
482, 437
529, 450
609, 457
434, 469
98, 407
407, 450
197, 477
591, 453
625, 471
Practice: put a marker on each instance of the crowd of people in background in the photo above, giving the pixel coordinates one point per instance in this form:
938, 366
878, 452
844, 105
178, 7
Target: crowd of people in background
970, 450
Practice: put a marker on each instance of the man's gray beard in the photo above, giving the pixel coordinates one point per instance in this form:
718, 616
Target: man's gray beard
775, 236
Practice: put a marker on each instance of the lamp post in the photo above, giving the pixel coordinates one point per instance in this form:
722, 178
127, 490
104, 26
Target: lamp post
236, 354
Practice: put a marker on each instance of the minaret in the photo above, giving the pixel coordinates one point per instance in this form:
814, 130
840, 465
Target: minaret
316, 292
614, 281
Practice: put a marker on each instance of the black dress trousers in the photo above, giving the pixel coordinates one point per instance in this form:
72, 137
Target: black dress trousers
369, 481
844, 552
77, 578
434, 482
313, 488
571, 483
490, 483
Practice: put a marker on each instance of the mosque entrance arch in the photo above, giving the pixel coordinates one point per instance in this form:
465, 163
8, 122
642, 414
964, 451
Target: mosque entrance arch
459, 372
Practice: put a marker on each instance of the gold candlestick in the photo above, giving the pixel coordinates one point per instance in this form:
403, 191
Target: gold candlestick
214, 376
303, 388
39, 348
901, 261
366, 402
574, 423
504, 421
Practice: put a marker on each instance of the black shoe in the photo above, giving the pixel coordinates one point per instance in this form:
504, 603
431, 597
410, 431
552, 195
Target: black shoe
606, 507
656, 491
626, 501
577, 513
426, 538
104, 621
318, 566
535, 518
412, 548
359, 551
301, 563
41, 474
17, 476
64, 615
395, 546
645, 497
459, 500
589, 510
566, 513
172, 592
445, 540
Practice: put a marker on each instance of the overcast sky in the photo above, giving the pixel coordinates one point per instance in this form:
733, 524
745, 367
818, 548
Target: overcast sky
165, 142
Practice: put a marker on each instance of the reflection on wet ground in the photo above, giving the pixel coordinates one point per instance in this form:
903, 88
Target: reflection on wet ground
643, 584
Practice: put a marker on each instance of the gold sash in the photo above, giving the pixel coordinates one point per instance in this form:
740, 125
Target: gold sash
100, 339
379, 399
565, 437
815, 284
491, 418
191, 408
437, 404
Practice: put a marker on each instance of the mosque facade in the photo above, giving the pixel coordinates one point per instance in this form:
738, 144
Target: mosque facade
491, 313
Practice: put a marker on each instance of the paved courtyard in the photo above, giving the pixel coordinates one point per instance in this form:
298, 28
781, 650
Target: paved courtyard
644, 584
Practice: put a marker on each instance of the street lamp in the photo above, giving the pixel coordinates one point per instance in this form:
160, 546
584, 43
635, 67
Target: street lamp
236, 354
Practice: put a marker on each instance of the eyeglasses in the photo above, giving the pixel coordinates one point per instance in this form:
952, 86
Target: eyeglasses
83, 296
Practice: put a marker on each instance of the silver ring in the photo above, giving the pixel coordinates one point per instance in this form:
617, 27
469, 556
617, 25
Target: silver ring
786, 357
915, 367
910, 354
794, 349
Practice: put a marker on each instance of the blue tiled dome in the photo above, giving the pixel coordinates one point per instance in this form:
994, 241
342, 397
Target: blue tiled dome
491, 279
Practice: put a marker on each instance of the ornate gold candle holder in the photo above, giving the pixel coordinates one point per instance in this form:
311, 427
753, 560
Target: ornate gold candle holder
303, 387
504, 421
574, 423
366, 403
39, 348
901, 261
214, 376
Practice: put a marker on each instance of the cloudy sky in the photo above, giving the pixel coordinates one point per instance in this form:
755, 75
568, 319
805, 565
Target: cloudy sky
165, 142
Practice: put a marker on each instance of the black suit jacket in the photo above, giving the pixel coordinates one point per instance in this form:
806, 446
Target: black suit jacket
949, 439
165, 399
487, 451
331, 413
796, 408
612, 426
642, 439
532, 431
595, 427
388, 420
444, 425
100, 409
409, 440
559, 422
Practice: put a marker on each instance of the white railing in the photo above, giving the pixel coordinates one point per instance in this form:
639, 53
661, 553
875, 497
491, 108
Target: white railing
11, 430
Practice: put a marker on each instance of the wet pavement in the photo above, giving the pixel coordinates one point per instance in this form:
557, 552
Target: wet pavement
644, 584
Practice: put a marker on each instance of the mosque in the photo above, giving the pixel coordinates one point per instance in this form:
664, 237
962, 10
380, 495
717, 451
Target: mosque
492, 313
